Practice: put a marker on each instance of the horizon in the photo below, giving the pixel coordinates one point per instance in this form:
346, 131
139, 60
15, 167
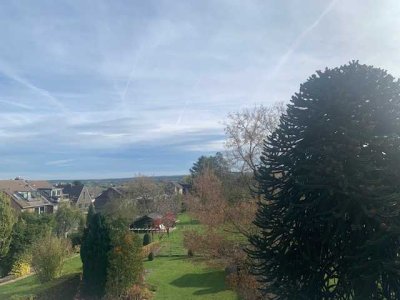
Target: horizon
114, 90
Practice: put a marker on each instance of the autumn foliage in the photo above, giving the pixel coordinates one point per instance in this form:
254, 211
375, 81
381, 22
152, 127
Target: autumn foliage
222, 240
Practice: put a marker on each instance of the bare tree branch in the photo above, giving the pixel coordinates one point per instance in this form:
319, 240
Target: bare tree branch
245, 134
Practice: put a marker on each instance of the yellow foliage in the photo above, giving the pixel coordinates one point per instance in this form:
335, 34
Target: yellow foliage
21, 268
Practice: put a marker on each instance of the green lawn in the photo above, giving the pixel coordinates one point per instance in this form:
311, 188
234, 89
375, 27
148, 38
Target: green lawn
61, 288
175, 276
172, 274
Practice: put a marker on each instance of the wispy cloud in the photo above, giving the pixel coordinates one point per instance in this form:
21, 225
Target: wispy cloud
7, 71
16, 104
60, 162
300, 38
133, 87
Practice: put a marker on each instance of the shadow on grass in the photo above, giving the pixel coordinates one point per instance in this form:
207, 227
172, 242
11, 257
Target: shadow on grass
180, 256
65, 288
208, 283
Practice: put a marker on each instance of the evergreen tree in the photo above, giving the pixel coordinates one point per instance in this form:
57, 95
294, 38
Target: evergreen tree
329, 219
90, 214
94, 251
216, 163
125, 264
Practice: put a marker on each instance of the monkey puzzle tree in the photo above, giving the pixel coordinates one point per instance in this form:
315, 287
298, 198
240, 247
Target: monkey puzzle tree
329, 219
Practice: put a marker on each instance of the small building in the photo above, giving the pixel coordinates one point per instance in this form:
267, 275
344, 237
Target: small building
177, 188
150, 221
154, 222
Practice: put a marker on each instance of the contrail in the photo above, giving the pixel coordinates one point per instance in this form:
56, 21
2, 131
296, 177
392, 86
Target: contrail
282, 61
50, 98
16, 104
130, 78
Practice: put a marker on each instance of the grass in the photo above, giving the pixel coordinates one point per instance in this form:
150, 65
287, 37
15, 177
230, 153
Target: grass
172, 274
63, 287
175, 276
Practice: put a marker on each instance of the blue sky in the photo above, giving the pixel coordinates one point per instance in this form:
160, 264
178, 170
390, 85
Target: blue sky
99, 89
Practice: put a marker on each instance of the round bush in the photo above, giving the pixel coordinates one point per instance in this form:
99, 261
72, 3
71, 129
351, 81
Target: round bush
146, 239
151, 256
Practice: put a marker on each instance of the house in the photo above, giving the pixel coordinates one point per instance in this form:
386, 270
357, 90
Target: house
107, 196
181, 188
78, 195
24, 196
52, 193
177, 188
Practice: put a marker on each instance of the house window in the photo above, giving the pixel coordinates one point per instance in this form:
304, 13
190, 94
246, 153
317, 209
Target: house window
39, 210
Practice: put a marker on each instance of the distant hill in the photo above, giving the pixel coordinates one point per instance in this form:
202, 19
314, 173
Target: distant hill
117, 181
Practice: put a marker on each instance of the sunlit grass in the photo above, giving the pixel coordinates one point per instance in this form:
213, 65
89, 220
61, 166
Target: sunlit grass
31, 285
175, 276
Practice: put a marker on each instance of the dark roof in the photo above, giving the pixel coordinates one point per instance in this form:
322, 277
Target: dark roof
74, 191
154, 216
147, 218
177, 184
185, 185
106, 196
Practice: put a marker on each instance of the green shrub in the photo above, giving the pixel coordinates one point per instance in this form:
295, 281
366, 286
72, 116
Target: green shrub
48, 257
6, 225
146, 239
151, 256
76, 238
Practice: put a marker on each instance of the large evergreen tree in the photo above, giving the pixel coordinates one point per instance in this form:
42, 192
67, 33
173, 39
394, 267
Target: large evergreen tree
94, 254
330, 178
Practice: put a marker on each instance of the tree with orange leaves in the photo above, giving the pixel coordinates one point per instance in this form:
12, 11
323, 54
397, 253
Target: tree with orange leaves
226, 225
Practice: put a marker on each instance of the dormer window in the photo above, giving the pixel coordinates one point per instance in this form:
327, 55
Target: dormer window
56, 193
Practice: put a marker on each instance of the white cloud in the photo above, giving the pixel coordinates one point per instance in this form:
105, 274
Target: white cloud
212, 146
93, 77
60, 162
